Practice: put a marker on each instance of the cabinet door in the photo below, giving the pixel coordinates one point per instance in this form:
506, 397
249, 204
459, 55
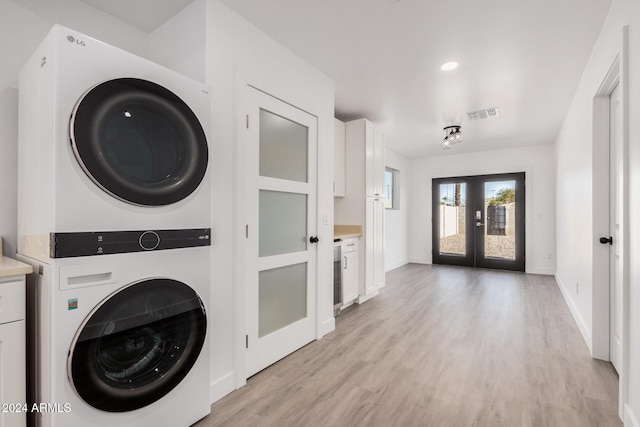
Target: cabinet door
369, 160
349, 277
12, 372
374, 246
374, 161
378, 162
378, 243
339, 159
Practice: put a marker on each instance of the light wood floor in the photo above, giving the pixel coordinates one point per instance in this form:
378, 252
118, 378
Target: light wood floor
440, 346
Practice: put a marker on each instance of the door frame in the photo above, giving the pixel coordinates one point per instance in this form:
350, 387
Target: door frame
302, 331
238, 377
600, 340
475, 194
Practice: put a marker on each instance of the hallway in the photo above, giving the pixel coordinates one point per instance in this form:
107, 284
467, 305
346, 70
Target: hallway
440, 346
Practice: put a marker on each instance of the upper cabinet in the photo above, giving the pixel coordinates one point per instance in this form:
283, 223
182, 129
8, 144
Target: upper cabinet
374, 160
364, 161
339, 163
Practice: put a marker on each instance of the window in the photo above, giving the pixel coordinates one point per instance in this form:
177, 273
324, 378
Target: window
392, 188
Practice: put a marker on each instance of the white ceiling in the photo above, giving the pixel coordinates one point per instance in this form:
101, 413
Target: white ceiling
524, 57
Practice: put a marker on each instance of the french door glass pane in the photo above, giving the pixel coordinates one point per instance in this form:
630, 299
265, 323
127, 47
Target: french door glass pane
500, 219
282, 297
283, 148
453, 199
283, 223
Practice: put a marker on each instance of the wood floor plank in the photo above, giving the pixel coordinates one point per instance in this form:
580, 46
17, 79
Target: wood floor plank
439, 346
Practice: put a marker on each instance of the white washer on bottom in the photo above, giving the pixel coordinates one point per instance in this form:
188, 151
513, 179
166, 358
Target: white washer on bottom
121, 340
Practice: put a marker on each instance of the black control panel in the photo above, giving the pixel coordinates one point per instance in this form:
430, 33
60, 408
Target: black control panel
67, 245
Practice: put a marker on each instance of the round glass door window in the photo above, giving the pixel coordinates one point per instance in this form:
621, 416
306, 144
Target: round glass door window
139, 142
137, 345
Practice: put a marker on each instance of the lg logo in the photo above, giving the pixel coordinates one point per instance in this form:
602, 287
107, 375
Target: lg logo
74, 40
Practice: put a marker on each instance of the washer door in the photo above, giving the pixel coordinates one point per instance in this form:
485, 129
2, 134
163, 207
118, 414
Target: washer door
137, 345
139, 142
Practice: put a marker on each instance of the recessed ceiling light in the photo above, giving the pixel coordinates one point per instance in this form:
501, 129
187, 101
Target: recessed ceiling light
448, 66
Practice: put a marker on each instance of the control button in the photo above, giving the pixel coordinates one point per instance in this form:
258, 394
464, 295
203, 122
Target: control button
149, 240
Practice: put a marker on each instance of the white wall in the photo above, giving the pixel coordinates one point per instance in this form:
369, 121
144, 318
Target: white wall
238, 53
180, 43
23, 25
539, 165
580, 197
396, 236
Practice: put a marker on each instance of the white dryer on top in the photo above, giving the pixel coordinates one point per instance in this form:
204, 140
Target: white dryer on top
109, 141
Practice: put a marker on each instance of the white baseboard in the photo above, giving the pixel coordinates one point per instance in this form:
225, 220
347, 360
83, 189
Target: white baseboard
582, 325
541, 270
395, 265
363, 298
630, 419
419, 261
223, 386
326, 327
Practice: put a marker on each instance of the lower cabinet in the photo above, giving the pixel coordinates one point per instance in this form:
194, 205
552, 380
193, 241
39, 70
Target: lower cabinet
12, 352
349, 271
374, 277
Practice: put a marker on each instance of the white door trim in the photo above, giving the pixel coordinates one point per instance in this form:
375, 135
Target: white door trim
615, 76
241, 221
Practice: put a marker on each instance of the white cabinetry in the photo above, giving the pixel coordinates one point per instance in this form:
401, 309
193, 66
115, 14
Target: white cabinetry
364, 201
339, 152
374, 228
374, 161
12, 350
349, 271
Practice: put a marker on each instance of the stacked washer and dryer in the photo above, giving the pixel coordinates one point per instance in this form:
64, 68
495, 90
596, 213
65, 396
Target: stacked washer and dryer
114, 214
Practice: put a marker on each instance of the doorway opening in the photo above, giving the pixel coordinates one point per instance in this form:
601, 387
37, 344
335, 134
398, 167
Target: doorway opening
478, 221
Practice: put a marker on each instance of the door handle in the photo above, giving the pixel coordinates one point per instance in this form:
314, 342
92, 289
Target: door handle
605, 240
345, 262
479, 224
314, 239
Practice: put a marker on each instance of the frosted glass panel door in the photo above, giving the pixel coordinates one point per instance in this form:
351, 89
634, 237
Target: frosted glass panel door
281, 156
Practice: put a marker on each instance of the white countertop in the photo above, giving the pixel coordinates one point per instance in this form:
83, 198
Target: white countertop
11, 267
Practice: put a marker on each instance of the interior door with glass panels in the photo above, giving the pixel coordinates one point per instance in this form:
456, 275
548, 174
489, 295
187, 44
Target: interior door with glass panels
281, 252
478, 221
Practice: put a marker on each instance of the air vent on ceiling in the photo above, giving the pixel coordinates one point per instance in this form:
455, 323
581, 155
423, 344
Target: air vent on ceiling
483, 114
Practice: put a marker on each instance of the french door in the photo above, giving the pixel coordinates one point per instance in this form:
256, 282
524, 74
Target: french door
281, 249
478, 221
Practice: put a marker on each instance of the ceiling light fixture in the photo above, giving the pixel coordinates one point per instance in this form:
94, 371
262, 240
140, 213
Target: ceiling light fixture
452, 135
448, 66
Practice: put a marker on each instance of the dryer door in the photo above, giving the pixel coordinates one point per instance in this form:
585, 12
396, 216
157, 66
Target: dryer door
139, 142
137, 345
